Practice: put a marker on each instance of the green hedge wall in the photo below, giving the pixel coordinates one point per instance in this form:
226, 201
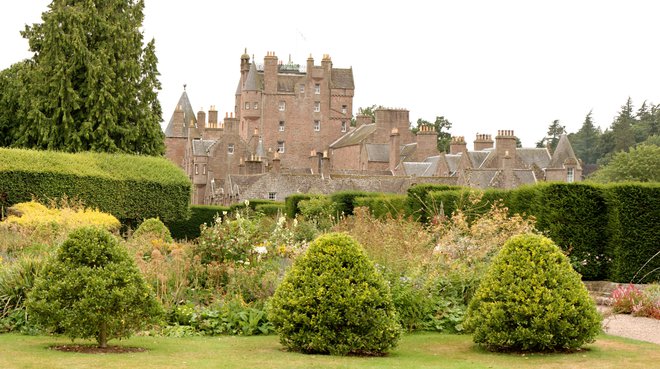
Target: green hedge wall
637, 237
271, 209
131, 188
418, 205
609, 232
190, 228
575, 217
291, 204
345, 200
385, 205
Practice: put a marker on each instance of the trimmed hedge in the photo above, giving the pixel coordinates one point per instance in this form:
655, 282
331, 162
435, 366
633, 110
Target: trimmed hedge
270, 209
345, 200
637, 237
291, 204
609, 232
385, 205
418, 205
129, 187
190, 228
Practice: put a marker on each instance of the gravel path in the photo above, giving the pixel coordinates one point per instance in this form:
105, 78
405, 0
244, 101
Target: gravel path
624, 325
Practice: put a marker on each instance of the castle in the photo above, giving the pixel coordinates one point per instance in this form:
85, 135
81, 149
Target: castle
290, 132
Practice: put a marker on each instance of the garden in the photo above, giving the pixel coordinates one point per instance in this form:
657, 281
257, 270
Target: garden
372, 280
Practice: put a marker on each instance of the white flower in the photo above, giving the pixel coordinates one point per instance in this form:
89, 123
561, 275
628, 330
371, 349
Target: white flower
260, 250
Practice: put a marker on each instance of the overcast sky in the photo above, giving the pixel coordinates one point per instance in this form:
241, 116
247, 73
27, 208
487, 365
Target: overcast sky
484, 65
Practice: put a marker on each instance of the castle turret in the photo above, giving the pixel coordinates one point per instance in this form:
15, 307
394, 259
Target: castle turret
245, 67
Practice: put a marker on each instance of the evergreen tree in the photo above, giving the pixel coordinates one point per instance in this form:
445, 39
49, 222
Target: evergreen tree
12, 88
555, 130
648, 122
585, 141
93, 86
622, 127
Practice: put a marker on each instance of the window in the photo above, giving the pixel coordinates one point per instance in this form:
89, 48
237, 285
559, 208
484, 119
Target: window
302, 89
343, 109
196, 169
256, 106
271, 195
281, 128
247, 106
203, 168
317, 107
343, 126
317, 89
280, 147
570, 175
317, 125
230, 149
282, 106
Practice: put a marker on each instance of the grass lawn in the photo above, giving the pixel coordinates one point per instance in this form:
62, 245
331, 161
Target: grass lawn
423, 350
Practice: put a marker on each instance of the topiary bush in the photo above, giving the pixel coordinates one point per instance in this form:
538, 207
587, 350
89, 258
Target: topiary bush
153, 227
531, 299
333, 301
92, 288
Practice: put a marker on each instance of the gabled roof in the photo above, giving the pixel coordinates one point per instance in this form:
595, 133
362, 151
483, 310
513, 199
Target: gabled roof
481, 178
188, 116
202, 147
533, 155
408, 151
419, 169
523, 177
452, 161
378, 152
342, 78
355, 136
478, 157
563, 152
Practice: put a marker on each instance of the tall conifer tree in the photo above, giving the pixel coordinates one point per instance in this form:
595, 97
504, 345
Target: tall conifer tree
94, 84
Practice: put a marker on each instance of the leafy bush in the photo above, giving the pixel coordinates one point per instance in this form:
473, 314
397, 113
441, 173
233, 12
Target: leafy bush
419, 206
291, 204
92, 289
130, 187
320, 210
531, 299
270, 209
333, 301
153, 228
32, 216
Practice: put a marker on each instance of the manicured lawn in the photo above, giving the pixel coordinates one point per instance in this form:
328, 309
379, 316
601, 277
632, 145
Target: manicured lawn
425, 350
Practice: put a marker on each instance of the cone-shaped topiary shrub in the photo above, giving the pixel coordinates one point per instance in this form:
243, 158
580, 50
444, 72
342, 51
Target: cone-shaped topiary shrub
154, 227
92, 289
531, 299
334, 301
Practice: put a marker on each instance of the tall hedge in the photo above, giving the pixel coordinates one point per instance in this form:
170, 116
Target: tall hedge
385, 205
345, 201
291, 204
418, 205
575, 217
129, 187
190, 228
637, 239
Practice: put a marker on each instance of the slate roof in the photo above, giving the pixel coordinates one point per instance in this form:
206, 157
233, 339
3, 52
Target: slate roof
253, 79
188, 115
524, 176
408, 151
419, 169
452, 161
481, 178
563, 151
342, 78
531, 156
478, 157
355, 136
202, 147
